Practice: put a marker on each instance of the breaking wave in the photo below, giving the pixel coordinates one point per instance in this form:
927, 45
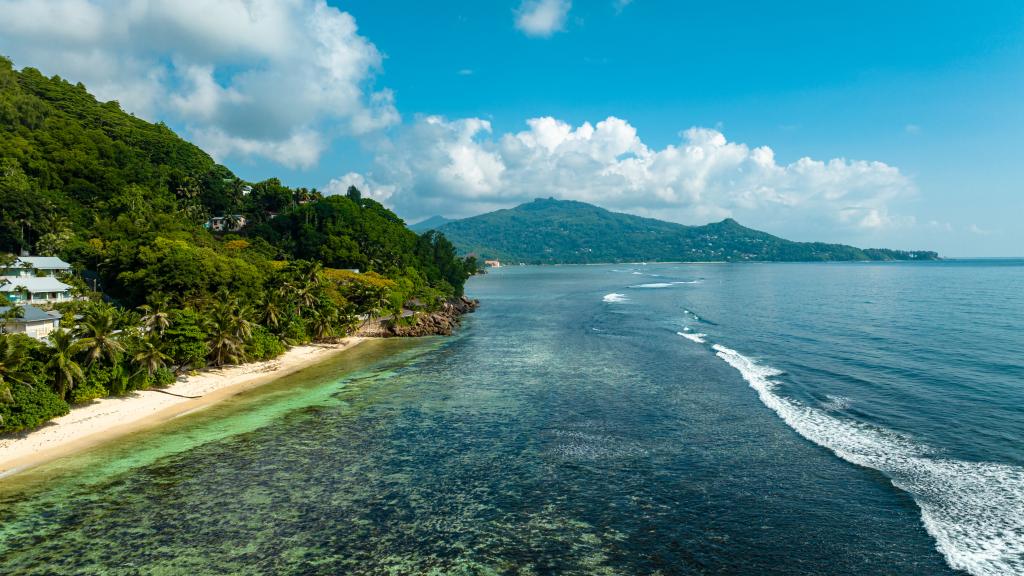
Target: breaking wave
693, 337
973, 510
664, 284
614, 297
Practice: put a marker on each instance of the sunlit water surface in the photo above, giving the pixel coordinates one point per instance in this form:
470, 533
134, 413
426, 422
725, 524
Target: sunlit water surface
660, 419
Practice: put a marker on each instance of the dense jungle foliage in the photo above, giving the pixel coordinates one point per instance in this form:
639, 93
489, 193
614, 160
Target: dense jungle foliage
127, 203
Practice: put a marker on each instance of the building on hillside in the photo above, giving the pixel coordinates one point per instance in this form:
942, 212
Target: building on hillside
33, 279
232, 223
36, 289
492, 263
36, 266
32, 321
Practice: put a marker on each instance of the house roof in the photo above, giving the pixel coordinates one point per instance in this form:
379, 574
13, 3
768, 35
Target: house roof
43, 263
32, 314
35, 284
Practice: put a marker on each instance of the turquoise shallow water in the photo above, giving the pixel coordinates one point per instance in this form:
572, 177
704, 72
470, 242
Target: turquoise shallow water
672, 419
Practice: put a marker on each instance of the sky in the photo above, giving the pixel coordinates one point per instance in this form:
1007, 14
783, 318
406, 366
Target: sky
880, 124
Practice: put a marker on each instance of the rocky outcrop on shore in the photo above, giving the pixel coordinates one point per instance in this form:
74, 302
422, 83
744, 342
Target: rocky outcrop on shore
441, 322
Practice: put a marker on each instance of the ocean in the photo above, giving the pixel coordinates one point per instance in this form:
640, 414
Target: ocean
841, 418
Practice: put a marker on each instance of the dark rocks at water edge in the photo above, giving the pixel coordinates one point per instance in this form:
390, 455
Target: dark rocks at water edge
441, 322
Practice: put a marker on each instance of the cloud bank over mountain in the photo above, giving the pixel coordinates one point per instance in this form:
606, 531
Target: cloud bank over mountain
282, 80
460, 167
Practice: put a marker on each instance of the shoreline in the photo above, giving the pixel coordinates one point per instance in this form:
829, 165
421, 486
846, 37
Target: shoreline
105, 419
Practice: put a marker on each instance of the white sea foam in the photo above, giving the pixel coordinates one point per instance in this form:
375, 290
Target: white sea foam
638, 273
974, 510
693, 337
664, 284
614, 297
836, 402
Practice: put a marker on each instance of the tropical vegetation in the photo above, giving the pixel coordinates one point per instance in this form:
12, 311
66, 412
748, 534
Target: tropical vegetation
160, 293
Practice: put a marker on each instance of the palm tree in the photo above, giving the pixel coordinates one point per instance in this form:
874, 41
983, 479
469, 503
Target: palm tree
225, 347
62, 367
13, 311
229, 329
99, 335
13, 361
241, 318
323, 323
272, 314
302, 285
155, 316
304, 294
150, 357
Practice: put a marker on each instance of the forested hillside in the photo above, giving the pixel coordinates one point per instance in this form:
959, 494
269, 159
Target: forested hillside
559, 231
126, 202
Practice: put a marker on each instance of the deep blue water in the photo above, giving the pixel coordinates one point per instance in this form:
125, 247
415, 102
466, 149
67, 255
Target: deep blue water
658, 419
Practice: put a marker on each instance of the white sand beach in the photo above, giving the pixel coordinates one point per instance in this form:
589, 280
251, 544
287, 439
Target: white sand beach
108, 418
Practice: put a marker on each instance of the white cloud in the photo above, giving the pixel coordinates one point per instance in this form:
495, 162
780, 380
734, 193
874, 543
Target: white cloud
458, 168
301, 149
542, 18
270, 78
366, 186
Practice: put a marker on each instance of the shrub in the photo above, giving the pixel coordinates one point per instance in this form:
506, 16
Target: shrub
95, 385
295, 332
32, 407
163, 377
263, 345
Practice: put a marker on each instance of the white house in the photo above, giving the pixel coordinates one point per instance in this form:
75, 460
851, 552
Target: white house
36, 266
33, 322
232, 223
33, 279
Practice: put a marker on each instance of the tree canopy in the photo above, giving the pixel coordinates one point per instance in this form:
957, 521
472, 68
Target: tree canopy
162, 291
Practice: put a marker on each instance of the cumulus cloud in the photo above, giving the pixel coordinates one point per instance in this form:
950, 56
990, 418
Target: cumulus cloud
368, 188
270, 78
542, 18
459, 167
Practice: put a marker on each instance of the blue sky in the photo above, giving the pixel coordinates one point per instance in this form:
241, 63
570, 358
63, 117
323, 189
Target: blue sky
909, 113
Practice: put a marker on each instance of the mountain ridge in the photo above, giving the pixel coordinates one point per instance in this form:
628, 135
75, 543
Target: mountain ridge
431, 223
550, 231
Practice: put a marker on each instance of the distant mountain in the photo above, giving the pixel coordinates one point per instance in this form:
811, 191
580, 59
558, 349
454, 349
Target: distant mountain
432, 223
559, 231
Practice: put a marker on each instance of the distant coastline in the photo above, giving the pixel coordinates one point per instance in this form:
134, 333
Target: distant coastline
550, 231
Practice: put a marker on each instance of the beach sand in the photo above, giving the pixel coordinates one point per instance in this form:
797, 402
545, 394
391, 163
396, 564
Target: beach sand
108, 418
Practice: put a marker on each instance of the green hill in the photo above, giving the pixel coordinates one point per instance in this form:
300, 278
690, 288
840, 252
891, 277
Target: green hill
86, 181
128, 203
432, 223
558, 231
